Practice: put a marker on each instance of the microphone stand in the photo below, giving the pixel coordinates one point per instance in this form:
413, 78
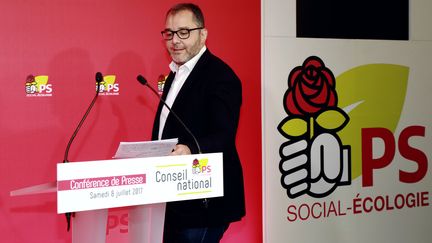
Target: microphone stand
99, 79
143, 81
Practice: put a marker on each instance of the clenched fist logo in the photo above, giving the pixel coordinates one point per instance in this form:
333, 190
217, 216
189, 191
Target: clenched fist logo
313, 160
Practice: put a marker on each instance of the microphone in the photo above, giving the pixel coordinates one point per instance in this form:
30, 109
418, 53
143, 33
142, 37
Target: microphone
99, 79
144, 82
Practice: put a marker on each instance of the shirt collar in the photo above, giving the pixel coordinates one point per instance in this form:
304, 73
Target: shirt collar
189, 64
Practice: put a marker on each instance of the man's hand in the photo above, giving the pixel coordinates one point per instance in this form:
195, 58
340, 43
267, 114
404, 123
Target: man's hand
181, 149
315, 169
294, 166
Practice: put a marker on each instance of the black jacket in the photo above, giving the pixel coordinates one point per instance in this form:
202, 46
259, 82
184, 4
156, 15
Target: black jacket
209, 104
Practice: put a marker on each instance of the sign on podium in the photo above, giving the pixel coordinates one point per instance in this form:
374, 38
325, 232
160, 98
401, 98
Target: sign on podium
144, 184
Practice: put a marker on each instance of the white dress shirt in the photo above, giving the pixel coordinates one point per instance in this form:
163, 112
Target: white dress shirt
181, 74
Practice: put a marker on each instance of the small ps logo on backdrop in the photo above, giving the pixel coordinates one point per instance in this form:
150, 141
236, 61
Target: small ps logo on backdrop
161, 83
108, 86
313, 161
38, 86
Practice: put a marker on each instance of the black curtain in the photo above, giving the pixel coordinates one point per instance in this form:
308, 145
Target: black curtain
353, 19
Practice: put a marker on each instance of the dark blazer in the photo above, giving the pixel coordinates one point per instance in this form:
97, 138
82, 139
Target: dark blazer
209, 104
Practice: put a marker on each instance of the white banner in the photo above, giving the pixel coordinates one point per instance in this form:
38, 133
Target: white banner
124, 182
347, 140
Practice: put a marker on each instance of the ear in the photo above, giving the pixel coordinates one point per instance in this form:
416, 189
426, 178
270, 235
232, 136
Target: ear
204, 34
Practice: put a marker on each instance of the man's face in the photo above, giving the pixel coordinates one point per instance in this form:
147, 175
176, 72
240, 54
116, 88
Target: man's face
182, 50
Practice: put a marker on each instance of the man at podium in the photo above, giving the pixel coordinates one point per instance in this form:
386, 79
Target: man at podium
205, 95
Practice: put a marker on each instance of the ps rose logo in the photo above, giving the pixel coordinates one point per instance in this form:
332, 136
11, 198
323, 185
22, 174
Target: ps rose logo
38, 86
161, 83
313, 160
201, 166
108, 86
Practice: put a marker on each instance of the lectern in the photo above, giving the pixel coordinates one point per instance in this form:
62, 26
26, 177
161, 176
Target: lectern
143, 185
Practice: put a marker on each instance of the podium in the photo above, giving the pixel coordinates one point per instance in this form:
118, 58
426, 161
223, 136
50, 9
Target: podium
144, 185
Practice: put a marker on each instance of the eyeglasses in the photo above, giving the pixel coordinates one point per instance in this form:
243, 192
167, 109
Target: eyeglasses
181, 33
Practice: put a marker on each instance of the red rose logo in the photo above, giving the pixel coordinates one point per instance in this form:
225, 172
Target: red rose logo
30, 78
195, 163
311, 88
311, 101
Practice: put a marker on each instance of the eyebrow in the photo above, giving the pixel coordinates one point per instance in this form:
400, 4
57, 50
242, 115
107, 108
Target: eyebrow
181, 28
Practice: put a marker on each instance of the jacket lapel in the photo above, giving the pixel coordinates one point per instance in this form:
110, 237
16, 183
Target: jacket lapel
194, 76
186, 90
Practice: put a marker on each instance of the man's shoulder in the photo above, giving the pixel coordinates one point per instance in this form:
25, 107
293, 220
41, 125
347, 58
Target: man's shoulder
213, 62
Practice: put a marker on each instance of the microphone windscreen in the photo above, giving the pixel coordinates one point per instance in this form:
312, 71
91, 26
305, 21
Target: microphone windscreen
99, 77
141, 79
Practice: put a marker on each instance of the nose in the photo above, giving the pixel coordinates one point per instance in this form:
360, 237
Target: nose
175, 39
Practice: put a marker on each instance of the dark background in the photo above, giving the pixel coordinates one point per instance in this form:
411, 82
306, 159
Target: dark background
348, 19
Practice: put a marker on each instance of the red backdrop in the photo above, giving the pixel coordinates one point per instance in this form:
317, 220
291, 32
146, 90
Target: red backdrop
72, 40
